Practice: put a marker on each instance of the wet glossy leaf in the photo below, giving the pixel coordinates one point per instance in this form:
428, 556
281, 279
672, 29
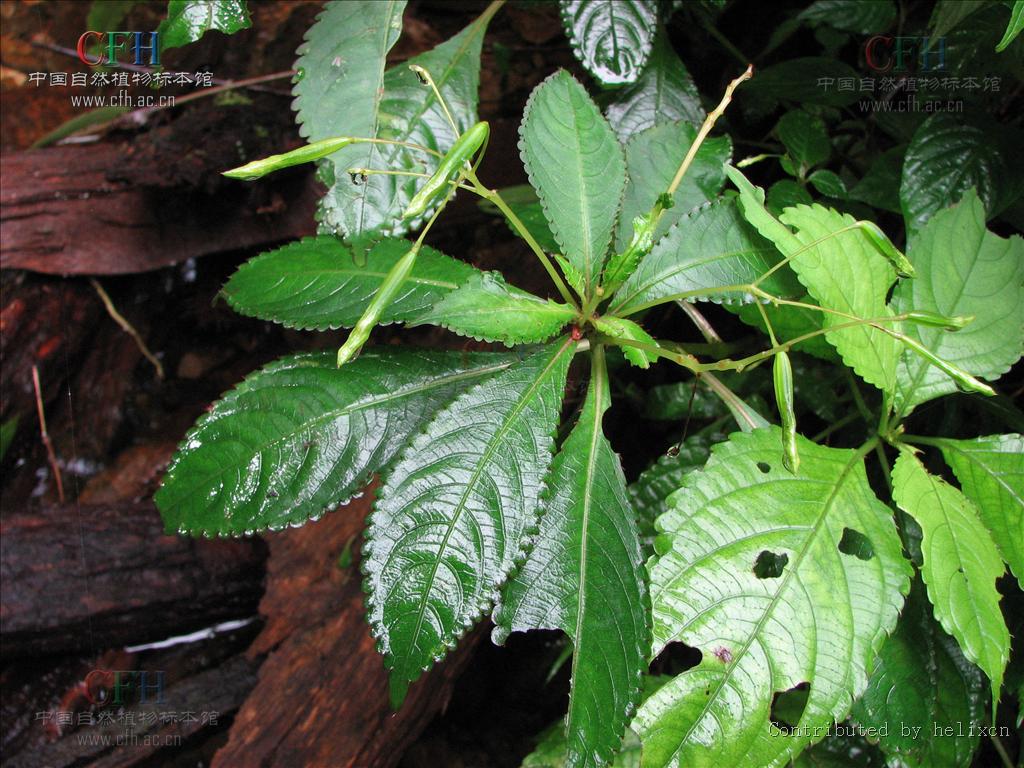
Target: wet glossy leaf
456, 511
302, 436
818, 622
585, 576
663, 93
828, 183
487, 308
576, 165
321, 283
805, 137
189, 20
612, 38
963, 269
961, 565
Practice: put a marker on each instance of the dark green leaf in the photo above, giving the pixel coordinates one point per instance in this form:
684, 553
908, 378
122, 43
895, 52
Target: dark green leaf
786, 194
576, 165
585, 576
948, 14
487, 308
7, 432
922, 681
523, 201
828, 183
612, 38
805, 137
880, 187
664, 93
189, 20
302, 436
963, 269
789, 323
652, 159
704, 254
871, 18
106, 15
812, 80
961, 565
991, 474
456, 511
819, 622
321, 283
951, 153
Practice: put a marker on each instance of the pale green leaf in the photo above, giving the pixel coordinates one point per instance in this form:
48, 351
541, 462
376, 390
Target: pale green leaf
705, 255
991, 474
805, 137
487, 308
922, 681
1014, 27
951, 153
963, 269
621, 328
576, 165
189, 20
664, 93
302, 436
612, 38
456, 511
321, 283
961, 565
585, 576
754, 571
652, 158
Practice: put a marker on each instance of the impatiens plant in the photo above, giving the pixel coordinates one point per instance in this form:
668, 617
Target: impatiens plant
778, 562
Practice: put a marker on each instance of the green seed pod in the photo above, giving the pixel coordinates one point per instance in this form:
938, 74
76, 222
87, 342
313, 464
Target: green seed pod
884, 245
259, 168
963, 380
451, 164
380, 301
954, 323
783, 373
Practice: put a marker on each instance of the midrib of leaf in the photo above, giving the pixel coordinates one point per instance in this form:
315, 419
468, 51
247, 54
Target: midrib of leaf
360, 273
787, 575
479, 25
584, 207
673, 271
370, 403
485, 457
581, 600
378, 94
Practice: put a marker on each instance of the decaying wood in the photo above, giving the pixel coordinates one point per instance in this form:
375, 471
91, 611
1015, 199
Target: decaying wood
94, 576
322, 695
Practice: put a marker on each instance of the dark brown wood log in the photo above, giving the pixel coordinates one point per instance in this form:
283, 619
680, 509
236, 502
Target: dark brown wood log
322, 695
94, 576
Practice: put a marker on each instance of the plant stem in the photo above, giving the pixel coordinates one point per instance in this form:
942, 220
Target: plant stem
127, 327
834, 427
706, 330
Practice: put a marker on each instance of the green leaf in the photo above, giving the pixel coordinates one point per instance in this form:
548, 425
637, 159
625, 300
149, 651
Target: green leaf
7, 432
585, 576
853, 16
948, 14
621, 328
811, 80
991, 474
791, 322
552, 752
652, 158
525, 204
880, 186
612, 38
963, 269
320, 283
343, 89
818, 622
951, 153
1014, 27
487, 308
106, 15
664, 93
786, 193
189, 20
828, 183
707, 251
455, 512
921, 680
575, 163
961, 565
805, 137
302, 436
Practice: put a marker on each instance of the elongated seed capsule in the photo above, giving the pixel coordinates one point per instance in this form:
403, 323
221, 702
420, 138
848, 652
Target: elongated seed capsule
259, 168
886, 248
954, 323
783, 373
462, 150
380, 301
960, 377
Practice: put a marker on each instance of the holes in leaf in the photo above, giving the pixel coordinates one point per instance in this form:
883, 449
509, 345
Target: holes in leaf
676, 658
769, 565
764, 466
857, 544
788, 707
